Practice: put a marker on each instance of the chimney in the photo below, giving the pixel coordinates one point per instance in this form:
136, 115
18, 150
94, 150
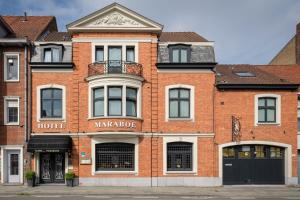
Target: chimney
25, 17
298, 44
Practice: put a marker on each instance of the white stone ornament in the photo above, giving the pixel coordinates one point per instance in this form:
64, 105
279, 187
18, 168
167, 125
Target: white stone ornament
116, 19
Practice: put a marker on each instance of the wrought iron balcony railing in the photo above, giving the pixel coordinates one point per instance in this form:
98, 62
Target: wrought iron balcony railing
115, 67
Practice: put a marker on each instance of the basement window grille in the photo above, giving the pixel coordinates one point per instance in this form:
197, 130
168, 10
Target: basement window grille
179, 156
115, 157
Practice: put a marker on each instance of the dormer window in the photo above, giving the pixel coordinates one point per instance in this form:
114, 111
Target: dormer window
52, 53
180, 53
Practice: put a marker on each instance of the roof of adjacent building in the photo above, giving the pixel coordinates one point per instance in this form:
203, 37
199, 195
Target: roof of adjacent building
181, 37
288, 72
227, 77
32, 28
57, 36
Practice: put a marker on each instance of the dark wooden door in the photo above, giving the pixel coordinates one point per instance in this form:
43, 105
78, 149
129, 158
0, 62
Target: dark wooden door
253, 164
52, 168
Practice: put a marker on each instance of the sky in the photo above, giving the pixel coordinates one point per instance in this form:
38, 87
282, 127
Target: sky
244, 31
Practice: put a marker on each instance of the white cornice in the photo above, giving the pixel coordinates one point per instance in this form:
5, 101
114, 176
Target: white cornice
114, 40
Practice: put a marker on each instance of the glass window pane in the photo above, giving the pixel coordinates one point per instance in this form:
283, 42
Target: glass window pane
57, 93
130, 54
12, 68
173, 93
57, 108
261, 102
298, 124
99, 93
12, 114
47, 55
115, 53
55, 55
270, 115
131, 93
98, 108
115, 107
46, 94
183, 55
184, 93
115, 92
175, 55
173, 108
46, 108
99, 54
184, 109
261, 115
298, 102
130, 108
270, 102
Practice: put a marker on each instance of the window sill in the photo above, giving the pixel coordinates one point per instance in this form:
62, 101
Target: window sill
12, 124
51, 119
115, 172
181, 172
271, 124
12, 81
180, 119
115, 117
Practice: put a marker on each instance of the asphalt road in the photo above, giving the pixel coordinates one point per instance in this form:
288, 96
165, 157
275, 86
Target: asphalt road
130, 197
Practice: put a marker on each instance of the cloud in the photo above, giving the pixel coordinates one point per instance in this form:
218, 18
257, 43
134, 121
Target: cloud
248, 31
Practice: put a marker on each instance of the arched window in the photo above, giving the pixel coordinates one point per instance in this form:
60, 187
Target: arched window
51, 103
179, 156
114, 157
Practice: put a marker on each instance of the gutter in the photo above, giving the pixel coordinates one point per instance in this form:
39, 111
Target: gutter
261, 86
14, 40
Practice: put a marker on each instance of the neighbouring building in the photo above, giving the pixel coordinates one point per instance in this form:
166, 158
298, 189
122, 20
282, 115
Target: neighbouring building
16, 35
120, 102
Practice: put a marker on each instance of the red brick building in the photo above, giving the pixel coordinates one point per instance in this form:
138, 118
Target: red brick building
16, 34
120, 102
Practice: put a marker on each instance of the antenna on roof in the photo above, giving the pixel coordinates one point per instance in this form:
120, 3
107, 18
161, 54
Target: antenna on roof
25, 17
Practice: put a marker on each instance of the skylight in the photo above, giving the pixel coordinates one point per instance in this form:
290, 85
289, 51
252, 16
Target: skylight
245, 74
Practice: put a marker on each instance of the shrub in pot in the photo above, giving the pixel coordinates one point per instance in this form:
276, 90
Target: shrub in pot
30, 177
70, 179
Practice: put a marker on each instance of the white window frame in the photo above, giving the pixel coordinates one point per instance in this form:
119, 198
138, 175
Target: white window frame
6, 54
107, 44
38, 102
134, 141
278, 109
181, 138
115, 82
192, 102
8, 98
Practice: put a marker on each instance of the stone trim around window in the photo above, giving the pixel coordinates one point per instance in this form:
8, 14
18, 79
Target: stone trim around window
6, 54
278, 109
115, 82
192, 102
181, 138
38, 102
6, 99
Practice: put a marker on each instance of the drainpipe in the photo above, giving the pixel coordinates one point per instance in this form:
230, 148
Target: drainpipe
25, 92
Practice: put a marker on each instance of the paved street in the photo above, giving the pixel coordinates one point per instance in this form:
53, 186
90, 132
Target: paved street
169, 193
127, 197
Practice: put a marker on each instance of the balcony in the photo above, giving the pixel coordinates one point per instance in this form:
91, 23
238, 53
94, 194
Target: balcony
115, 67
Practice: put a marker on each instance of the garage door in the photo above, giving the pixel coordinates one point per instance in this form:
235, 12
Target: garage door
253, 164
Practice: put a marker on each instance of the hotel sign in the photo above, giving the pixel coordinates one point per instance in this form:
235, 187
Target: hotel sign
115, 124
50, 125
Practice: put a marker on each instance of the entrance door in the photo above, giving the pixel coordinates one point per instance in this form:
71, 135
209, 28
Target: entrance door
114, 59
253, 164
52, 168
13, 166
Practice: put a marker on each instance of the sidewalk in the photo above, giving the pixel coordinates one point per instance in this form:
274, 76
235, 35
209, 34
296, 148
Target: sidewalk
226, 191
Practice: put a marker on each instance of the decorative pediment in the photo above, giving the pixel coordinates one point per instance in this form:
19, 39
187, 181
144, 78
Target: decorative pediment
114, 17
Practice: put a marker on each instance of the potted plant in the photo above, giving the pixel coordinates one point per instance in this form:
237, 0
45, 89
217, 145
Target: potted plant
70, 179
30, 177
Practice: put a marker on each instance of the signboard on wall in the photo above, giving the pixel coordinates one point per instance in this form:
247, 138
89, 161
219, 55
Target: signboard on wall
115, 124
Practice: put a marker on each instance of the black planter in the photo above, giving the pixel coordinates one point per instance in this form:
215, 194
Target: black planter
70, 183
31, 182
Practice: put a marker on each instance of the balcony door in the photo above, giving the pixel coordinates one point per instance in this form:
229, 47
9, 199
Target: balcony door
115, 59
